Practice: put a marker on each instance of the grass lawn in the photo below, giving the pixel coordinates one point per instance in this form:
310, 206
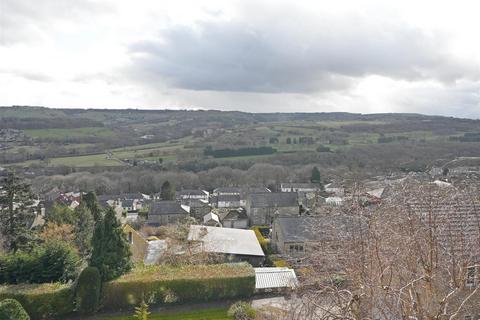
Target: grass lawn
207, 314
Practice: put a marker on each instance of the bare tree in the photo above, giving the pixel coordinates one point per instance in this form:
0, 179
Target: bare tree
415, 259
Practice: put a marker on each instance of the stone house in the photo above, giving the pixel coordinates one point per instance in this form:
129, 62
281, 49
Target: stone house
235, 218
166, 212
262, 208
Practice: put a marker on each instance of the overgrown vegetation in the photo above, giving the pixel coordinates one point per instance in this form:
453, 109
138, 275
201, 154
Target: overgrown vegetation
51, 262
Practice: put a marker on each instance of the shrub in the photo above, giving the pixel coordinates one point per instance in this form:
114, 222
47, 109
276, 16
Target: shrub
41, 301
87, 291
165, 284
11, 309
51, 262
242, 311
264, 243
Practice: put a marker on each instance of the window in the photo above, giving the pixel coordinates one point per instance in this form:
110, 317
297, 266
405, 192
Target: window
470, 282
130, 237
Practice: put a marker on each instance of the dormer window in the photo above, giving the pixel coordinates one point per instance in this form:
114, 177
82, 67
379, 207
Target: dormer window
471, 276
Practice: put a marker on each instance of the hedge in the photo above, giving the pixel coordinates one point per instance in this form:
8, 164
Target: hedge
87, 290
164, 285
41, 301
11, 309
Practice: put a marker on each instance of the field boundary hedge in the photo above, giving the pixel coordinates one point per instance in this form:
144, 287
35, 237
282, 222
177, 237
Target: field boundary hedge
189, 284
41, 301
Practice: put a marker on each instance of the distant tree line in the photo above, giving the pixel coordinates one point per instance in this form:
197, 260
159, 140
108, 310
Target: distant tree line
47, 123
250, 151
468, 137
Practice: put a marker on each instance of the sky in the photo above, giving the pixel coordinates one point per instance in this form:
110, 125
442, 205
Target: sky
248, 55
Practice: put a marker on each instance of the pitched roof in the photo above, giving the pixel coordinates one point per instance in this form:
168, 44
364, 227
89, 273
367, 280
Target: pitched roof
456, 220
235, 214
299, 185
167, 207
274, 199
228, 197
316, 228
211, 216
191, 192
227, 190
226, 240
127, 203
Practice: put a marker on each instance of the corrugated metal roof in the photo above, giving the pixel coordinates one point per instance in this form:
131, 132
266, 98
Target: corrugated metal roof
226, 240
269, 278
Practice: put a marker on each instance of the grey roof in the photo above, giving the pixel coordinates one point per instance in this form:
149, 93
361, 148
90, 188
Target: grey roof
127, 203
456, 220
228, 190
316, 228
236, 214
299, 185
256, 190
191, 192
166, 207
228, 197
226, 240
274, 199
268, 278
196, 203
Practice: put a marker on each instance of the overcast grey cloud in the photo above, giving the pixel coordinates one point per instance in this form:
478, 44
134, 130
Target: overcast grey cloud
357, 56
322, 55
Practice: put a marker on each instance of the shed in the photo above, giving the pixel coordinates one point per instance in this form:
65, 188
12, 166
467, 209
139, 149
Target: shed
270, 279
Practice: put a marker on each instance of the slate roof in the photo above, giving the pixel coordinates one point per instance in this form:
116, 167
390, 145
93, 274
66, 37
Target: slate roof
299, 185
274, 199
227, 190
236, 214
127, 203
228, 197
226, 240
317, 228
456, 220
191, 192
196, 203
166, 207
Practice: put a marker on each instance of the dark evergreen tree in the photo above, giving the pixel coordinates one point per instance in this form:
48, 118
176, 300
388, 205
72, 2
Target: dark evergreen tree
16, 215
168, 191
91, 202
110, 249
316, 178
84, 228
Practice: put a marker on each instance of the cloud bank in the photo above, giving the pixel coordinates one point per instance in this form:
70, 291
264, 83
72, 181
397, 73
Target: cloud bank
259, 56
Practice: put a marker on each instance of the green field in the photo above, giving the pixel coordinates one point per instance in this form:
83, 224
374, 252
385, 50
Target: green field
78, 161
207, 314
69, 133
